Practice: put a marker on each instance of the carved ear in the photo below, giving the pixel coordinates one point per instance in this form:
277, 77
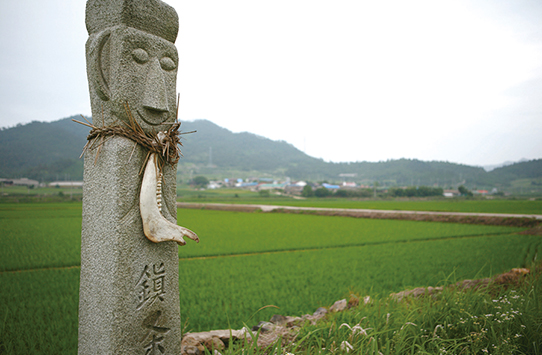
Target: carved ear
98, 63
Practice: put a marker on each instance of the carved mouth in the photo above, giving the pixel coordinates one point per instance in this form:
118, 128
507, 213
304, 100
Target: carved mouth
153, 119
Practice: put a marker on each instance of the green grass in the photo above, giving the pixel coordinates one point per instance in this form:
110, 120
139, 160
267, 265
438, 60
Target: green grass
499, 321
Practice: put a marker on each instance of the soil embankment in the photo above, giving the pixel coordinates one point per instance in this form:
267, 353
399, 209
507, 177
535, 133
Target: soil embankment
497, 219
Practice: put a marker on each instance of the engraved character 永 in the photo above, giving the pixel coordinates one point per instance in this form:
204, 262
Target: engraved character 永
154, 335
154, 347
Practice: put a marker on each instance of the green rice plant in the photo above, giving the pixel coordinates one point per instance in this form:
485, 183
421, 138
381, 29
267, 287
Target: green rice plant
40, 210
228, 290
298, 263
48, 235
39, 191
38, 312
224, 232
39, 308
185, 193
40, 236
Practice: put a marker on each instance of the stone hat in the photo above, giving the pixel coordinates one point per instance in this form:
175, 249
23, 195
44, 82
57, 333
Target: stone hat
152, 16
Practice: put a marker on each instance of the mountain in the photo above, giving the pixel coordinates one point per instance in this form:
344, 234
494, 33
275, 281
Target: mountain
50, 151
518, 171
214, 145
489, 168
42, 150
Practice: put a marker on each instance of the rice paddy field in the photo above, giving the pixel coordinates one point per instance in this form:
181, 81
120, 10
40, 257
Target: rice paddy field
244, 261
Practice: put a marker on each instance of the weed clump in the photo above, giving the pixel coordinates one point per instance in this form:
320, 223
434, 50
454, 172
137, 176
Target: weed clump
497, 319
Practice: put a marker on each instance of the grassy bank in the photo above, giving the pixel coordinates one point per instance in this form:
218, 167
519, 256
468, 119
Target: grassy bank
497, 320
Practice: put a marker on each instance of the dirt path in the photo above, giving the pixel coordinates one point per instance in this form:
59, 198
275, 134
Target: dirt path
513, 220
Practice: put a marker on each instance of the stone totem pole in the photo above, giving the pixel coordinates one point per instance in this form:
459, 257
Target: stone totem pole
129, 292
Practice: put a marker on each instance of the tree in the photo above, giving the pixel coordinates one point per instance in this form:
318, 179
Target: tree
307, 191
375, 185
200, 181
322, 192
464, 191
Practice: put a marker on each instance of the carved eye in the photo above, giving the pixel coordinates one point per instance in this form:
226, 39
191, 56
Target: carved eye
167, 63
140, 55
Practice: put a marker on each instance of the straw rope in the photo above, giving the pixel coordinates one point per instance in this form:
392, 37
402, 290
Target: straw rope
164, 144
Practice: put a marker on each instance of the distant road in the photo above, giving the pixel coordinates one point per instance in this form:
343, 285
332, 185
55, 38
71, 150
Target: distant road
519, 220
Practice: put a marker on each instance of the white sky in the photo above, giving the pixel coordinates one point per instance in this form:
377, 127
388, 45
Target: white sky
345, 80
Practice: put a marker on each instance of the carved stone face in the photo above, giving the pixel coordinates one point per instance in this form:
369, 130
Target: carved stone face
135, 67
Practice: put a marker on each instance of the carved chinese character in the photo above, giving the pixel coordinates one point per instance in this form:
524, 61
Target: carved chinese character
154, 346
152, 341
150, 286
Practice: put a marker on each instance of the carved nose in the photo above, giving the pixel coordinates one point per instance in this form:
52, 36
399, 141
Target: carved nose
155, 97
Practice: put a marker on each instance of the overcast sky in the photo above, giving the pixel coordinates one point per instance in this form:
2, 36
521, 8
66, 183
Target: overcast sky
345, 80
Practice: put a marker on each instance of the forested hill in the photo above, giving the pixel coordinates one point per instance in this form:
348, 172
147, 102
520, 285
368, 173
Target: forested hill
214, 145
43, 151
50, 151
